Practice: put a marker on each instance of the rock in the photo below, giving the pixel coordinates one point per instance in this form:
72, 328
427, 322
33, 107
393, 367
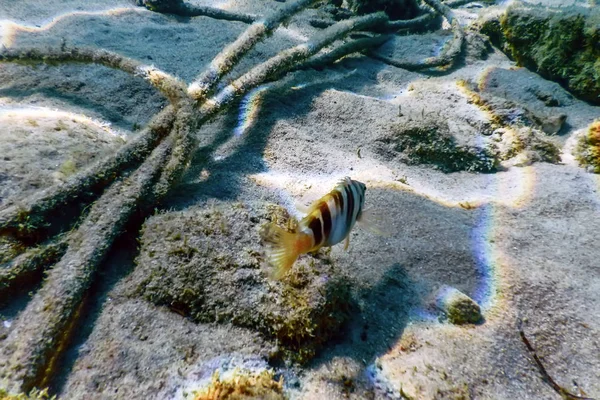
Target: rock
560, 44
587, 151
477, 47
136, 350
553, 124
519, 123
207, 264
458, 307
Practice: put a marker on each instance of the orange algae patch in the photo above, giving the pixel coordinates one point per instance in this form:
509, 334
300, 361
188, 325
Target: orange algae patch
588, 148
243, 386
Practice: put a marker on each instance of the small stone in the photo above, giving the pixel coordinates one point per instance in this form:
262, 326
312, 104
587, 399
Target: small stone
553, 124
458, 307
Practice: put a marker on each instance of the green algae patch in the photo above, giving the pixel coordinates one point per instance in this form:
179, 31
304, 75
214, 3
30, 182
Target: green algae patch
559, 44
243, 385
208, 264
9, 248
459, 308
587, 151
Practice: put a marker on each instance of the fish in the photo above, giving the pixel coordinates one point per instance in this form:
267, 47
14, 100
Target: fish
328, 221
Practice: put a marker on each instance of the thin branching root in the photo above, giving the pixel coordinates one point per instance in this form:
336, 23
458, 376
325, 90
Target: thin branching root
564, 393
115, 191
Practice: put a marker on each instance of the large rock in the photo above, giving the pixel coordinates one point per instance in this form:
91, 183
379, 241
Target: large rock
207, 264
560, 44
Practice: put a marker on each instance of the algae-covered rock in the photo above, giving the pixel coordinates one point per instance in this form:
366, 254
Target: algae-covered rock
520, 125
587, 151
560, 44
430, 142
458, 307
207, 264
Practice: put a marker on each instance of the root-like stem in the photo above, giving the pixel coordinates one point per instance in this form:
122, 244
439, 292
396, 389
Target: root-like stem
178, 7
27, 269
36, 334
229, 57
287, 60
450, 52
171, 87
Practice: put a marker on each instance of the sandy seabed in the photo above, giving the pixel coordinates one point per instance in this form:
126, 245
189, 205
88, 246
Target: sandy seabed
522, 242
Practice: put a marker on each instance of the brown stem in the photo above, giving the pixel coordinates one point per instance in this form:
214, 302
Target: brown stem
224, 62
36, 335
557, 388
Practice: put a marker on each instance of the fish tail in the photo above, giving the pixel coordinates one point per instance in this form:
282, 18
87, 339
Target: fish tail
284, 248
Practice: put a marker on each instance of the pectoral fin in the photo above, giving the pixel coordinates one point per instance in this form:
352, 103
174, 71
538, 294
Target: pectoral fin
347, 243
373, 223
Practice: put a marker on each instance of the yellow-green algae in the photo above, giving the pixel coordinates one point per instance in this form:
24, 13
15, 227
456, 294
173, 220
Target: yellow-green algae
243, 385
587, 151
35, 394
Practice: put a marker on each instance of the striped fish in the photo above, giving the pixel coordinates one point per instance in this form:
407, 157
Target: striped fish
328, 221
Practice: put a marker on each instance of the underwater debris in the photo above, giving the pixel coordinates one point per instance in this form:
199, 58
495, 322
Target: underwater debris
587, 151
395, 9
178, 7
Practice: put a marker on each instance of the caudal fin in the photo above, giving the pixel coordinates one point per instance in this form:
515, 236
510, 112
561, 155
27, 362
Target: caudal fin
283, 248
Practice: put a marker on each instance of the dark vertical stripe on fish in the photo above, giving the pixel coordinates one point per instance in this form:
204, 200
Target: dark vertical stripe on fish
356, 191
361, 198
315, 227
339, 201
350, 209
326, 216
